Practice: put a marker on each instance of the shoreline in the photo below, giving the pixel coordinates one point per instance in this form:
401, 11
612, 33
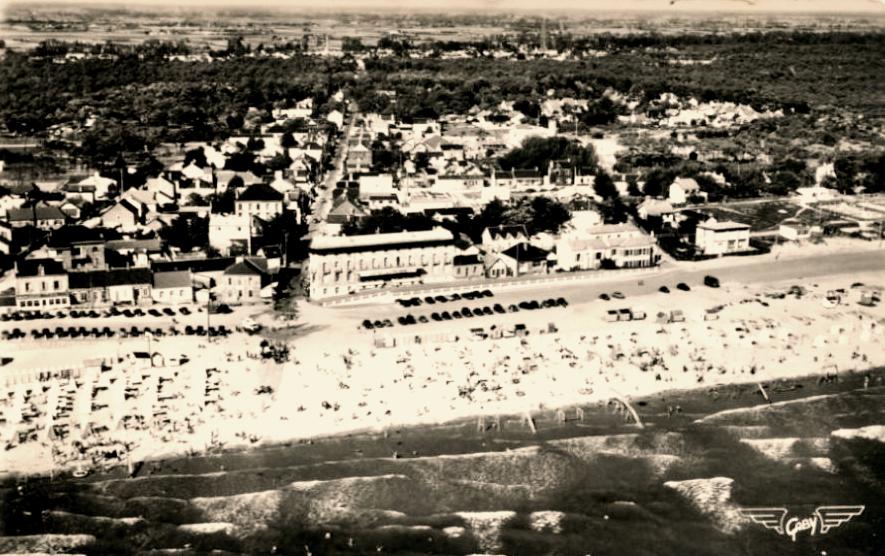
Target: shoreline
599, 419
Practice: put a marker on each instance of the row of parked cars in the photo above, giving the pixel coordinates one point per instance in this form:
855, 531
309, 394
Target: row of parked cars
94, 314
74, 332
433, 299
467, 312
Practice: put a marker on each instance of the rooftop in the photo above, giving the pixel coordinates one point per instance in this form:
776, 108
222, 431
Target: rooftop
172, 279
526, 252
260, 192
368, 242
39, 267
106, 278
726, 226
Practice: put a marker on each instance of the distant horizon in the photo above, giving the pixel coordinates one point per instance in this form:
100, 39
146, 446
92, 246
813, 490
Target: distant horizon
680, 7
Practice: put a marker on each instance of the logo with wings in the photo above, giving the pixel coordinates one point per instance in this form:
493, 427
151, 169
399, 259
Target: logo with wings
823, 519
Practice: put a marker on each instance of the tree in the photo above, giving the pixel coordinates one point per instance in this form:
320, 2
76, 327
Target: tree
538, 152
604, 186
187, 232
287, 141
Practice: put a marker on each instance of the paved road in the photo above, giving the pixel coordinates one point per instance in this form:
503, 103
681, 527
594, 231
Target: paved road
802, 270
324, 201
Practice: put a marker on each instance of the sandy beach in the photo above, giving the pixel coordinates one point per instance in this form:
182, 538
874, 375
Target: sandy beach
337, 379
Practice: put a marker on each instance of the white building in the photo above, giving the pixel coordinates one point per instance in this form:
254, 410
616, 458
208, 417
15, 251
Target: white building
259, 200
172, 288
229, 230
721, 238
345, 265
376, 185
614, 245
682, 189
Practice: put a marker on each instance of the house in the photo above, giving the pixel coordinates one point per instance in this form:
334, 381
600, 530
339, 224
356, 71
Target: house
80, 248
345, 265
722, 238
125, 214
606, 245
205, 272
344, 212
242, 281
816, 193
468, 266
656, 208
520, 259
376, 185
230, 233
41, 284
132, 253
682, 190
794, 230
359, 158
172, 288
498, 238
99, 288
77, 191
45, 217
162, 186
100, 185
259, 200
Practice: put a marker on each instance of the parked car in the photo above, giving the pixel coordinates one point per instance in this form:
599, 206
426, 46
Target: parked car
683, 286
498, 308
455, 297
664, 289
445, 315
604, 296
617, 295
367, 324
711, 281
440, 299
249, 326
562, 302
512, 308
435, 316
423, 319
487, 293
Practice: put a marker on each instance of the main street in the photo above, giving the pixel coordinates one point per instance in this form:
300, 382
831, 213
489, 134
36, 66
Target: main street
325, 200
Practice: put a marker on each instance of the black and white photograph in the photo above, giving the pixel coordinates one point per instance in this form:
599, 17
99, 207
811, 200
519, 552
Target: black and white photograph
442, 277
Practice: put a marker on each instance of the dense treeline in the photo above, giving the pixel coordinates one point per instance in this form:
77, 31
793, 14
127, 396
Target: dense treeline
197, 97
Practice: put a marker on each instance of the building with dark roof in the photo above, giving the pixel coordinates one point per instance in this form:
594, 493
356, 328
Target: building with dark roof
520, 259
173, 288
45, 217
124, 286
243, 281
41, 284
259, 200
80, 248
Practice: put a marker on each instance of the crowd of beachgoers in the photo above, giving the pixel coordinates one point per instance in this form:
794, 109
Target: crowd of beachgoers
230, 392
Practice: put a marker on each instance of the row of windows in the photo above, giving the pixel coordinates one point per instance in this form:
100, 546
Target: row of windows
56, 285
44, 302
388, 262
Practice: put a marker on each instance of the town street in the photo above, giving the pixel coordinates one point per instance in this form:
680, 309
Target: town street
324, 201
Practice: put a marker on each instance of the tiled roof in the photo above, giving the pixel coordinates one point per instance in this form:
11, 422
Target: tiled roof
106, 278
260, 192
32, 267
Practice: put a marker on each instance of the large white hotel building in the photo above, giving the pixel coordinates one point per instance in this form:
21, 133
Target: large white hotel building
349, 264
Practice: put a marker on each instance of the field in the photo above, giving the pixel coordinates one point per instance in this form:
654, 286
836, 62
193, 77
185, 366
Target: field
760, 215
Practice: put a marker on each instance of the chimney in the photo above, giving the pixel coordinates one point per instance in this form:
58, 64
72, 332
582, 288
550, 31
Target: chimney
40, 270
